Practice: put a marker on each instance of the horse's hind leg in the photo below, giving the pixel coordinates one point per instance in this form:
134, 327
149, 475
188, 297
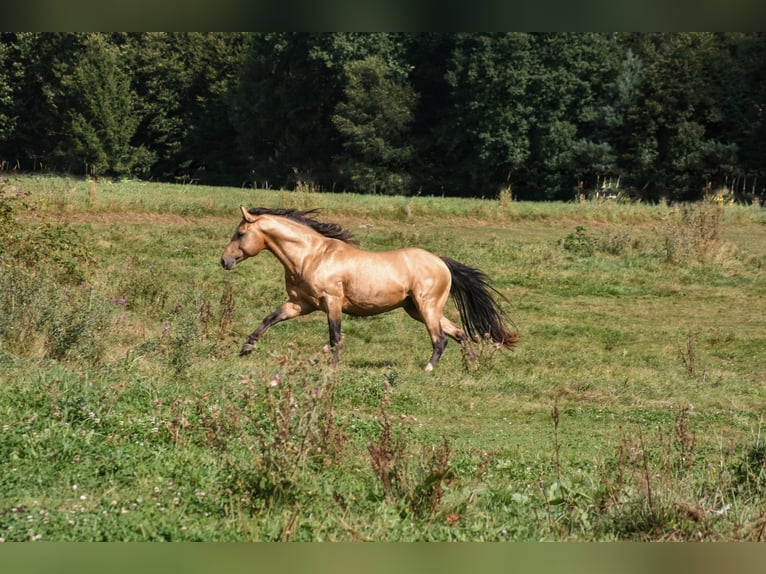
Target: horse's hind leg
287, 311
439, 343
434, 325
452, 330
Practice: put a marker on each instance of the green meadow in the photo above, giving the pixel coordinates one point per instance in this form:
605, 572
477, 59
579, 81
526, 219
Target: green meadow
631, 410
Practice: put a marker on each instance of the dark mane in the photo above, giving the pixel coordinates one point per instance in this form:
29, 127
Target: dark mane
306, 217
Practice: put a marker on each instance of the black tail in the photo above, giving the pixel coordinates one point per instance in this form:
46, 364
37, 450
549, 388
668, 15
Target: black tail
479, 310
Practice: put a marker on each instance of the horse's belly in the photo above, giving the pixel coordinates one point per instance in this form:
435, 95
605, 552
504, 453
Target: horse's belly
365, 310
373, 298
373, 304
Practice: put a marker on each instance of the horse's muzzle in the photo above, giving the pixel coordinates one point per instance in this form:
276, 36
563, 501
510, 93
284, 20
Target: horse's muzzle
228, 263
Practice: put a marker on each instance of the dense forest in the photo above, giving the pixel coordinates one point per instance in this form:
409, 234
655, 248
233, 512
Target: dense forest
544, 116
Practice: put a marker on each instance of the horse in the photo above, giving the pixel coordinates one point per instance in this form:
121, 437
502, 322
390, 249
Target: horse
325, 270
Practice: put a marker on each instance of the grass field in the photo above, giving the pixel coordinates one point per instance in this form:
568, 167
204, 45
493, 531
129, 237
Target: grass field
632, 409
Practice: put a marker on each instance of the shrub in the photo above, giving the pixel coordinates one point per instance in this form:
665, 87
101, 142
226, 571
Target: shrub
750, 469
692, 233
60, 248
45, 300
579, 242
418, 487
294, 432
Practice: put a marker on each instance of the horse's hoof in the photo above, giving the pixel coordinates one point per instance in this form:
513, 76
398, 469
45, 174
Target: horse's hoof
245, 350
429, 368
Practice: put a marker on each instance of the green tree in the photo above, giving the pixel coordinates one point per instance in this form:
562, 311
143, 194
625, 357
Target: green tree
44, 63
672, 115
568, 96
483, 135
7, 76
102, 115
373, 121
182, 83
288, 91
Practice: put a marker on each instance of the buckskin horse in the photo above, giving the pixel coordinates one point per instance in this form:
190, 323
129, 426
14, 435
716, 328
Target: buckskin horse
325, 271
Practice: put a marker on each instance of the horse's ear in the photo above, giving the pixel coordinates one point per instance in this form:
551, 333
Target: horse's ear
246, 215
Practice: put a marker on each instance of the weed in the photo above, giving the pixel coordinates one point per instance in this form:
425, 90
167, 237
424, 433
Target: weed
418, 487
182, 334
59, 248
387, 454
215, 325
692, 233
750, 468
73, 324
684, 438
688, 355
556, 417
295, 433
429, 489
579, 242
480, 356
505, 197
617, 243
143, 287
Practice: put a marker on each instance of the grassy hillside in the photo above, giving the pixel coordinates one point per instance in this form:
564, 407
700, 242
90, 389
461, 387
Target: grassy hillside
631, 410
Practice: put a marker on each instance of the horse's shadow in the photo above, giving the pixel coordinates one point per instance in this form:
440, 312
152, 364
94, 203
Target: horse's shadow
371, 364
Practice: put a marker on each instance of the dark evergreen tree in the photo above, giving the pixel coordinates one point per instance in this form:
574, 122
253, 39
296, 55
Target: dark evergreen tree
102, 119
569, 101
482, 135
289, 88
8, 75
374, 121
45, 62
549, 115
183, 81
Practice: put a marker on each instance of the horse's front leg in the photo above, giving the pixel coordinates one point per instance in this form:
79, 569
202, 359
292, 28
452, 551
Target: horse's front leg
289, 310
334, 309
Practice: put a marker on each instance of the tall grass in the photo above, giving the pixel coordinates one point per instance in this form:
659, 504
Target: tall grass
64, 195
632, 410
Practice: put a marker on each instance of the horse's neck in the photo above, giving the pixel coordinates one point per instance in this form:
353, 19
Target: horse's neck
290, 242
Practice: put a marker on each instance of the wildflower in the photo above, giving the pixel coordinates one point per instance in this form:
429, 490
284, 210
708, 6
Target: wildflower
122, 301
723, 510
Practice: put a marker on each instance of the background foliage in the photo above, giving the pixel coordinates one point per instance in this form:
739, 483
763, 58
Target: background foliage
542, 115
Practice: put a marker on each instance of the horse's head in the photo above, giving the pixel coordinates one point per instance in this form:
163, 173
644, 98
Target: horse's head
247, 241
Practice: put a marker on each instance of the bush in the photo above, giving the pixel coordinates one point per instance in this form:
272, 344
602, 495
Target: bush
579, 242
46, 306
60, 248
692, 233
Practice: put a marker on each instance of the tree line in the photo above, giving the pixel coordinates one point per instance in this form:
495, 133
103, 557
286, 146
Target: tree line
544, 116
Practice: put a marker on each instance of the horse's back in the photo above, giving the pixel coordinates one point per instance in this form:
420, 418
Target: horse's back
406, 261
